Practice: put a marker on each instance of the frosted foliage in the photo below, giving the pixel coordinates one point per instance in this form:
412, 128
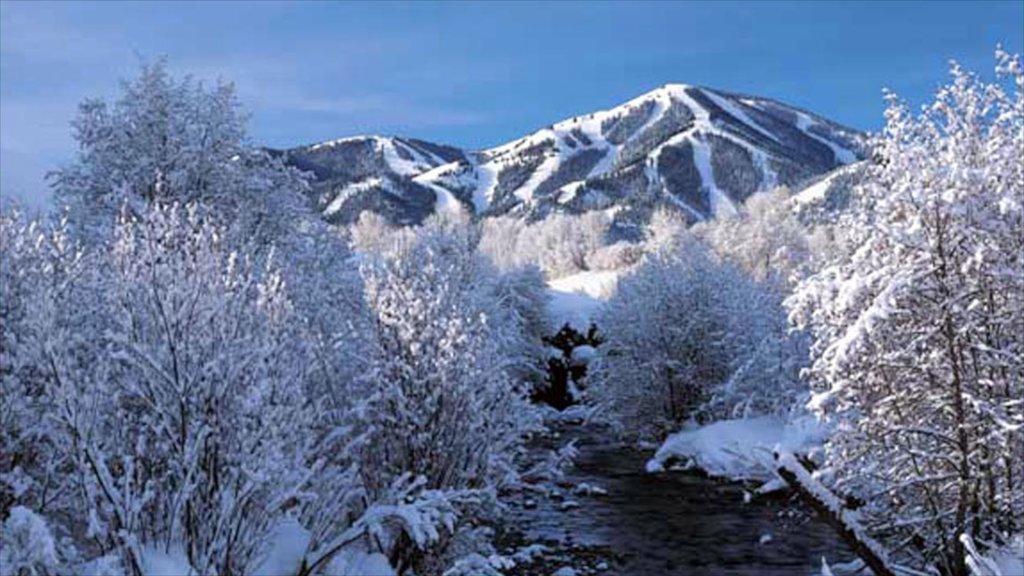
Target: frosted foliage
26, 544
560, 244
766, 239
435, 357
919, 329
690, 336
156, 405
173, 140
443, 403
165, 400
663, 230
200, 415
47, 320
371, 233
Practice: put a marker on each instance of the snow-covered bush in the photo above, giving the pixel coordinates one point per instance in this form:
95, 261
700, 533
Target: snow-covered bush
48, 304
918, 342
618, 256
27, 547
520, 319
151, 394
372, 234
684, 329
170, 141
443, 404
663, 230
766, 239
24, 270
187, 434
560, 244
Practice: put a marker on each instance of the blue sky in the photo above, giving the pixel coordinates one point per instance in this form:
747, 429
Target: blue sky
467, 73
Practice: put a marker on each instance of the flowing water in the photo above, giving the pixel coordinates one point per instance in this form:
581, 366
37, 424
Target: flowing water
667, 523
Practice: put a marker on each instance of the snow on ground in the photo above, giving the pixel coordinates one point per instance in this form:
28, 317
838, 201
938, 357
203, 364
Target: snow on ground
599, 284
804, 122
577, 299
288, 543
815, 193
351, 190
738, 449
737, 113
721, 205
573, 308
156, 561
354, 562
418, 163
1006, 560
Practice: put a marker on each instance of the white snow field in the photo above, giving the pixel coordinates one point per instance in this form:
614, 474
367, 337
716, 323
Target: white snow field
577, 299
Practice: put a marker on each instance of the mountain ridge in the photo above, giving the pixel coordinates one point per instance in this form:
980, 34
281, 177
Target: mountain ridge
698, 149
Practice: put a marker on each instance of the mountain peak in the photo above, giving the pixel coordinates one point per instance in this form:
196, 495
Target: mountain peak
699, 150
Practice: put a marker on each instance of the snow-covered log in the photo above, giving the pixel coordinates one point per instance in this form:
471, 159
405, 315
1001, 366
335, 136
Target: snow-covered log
834, 511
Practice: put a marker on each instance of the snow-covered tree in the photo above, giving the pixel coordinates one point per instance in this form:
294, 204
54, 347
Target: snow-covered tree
766, 239
520, 321
443, 404
560, 244
919, 329
172, 140
676, 330
663, 230
185, 431
371, 233
48, 305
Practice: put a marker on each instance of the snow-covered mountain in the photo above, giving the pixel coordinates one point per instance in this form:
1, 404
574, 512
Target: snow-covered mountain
698, 149
372, 173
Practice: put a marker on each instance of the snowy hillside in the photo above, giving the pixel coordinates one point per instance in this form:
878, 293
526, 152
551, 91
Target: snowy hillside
372, 173
700, 150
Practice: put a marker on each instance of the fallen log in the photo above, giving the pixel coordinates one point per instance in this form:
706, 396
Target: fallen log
834, 511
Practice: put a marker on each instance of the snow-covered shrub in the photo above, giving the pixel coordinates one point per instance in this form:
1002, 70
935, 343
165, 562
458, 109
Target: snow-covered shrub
168, 140
27, 547
766, 239
372, 234
185, 431
48, 303
918, 342
443, 404
23, 271
559, 244
663, 230
616, 256
520, 321
676, 330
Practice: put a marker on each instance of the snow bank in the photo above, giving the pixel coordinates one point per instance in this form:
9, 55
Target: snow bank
598, 284
738, 449
289, 541
356, 562
577, 299
157, 561
575, 309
